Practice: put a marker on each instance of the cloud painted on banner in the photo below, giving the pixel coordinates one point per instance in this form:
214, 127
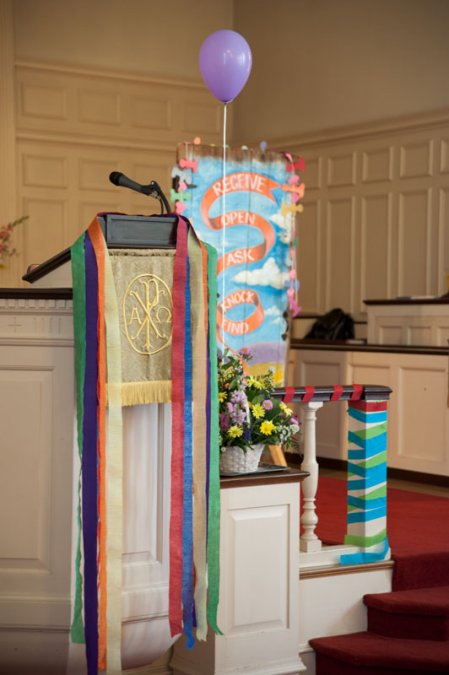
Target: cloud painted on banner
279, 220
268, 275
274, 310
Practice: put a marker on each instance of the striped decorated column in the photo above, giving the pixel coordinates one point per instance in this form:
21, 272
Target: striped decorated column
367, 482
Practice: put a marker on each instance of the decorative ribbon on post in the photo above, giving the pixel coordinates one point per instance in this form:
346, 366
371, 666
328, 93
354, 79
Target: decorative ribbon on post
367, 482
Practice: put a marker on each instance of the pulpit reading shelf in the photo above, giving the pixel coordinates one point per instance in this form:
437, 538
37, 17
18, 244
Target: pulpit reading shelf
120, 231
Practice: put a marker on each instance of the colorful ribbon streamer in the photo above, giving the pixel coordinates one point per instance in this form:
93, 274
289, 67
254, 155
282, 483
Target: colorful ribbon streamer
367, 478
194, 574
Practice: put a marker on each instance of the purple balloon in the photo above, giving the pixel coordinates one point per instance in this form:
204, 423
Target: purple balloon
225, 64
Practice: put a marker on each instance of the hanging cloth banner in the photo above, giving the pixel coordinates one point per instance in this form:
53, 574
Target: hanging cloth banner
248, 216
144, 326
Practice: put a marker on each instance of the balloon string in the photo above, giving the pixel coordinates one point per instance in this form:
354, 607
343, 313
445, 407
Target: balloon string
223, 229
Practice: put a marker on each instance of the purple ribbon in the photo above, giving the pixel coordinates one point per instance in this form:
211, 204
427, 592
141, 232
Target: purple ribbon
89, 463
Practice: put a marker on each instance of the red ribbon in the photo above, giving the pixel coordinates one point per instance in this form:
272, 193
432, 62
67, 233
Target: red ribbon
370, 406
289, 394
338, 391
308, 395
357, 392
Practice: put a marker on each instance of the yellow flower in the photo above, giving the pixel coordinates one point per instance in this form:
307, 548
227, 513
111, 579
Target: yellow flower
252, 382
267, 428
285, 409
222, 396
258, 411
235, 431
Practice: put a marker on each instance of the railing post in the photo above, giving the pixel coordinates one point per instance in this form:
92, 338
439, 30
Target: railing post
367, 481
309, 541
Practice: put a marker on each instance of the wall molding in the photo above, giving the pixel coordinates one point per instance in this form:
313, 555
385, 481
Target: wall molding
426, 120
125, 76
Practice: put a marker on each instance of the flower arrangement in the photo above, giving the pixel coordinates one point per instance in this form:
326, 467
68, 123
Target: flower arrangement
250, 414
5, 240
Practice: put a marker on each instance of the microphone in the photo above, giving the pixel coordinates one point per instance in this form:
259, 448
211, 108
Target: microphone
153, 189
119, 178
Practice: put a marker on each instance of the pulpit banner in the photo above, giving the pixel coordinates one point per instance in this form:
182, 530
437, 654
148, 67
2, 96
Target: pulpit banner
247, 212
143, 282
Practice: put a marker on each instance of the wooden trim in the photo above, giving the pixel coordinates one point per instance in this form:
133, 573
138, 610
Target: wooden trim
403, 123
78, 139
337, 570
410, 300
348, 346
418, 477
254, 479
101, 73
36, 293
8, 188
332, 463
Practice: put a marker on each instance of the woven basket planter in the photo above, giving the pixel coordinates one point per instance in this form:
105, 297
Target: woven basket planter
235, 460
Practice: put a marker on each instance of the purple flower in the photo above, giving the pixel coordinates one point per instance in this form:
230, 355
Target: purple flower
224, 422
238, 397
267, 404
230, 407
294, 420
238, 416
244, 351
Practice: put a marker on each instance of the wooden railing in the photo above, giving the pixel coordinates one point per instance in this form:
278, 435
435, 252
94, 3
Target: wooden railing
367, 445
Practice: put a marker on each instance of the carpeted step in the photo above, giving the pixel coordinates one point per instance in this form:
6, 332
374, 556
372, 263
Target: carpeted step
371, 654
420, 570
420, 614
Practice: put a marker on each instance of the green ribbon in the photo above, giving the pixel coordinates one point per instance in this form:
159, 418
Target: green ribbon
79, 330
213, 538
365, 542
372, 432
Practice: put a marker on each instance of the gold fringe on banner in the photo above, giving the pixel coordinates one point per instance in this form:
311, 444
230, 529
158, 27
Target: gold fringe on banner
138, 393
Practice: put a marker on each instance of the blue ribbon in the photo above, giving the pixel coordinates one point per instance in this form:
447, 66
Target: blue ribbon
378, 469
368, 446
365, 483
360, 503
366, 557
187, 532
365, 516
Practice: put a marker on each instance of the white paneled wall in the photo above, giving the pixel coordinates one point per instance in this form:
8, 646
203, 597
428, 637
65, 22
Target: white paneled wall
74, 126
376, 215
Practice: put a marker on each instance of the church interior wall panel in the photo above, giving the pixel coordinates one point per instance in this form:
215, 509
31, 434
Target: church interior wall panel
444, 155
408, 164
416, 159
375, 258
313, 171
44, 233
413, 237
75, 126
443, 234
35, 545
309, 249
339, 232
341, 169
419, 390
377, 164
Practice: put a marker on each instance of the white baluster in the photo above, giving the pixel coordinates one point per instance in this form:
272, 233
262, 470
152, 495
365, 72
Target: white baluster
309, 542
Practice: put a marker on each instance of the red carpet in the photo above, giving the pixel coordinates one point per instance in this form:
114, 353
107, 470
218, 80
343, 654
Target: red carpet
408, 629
417, 525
